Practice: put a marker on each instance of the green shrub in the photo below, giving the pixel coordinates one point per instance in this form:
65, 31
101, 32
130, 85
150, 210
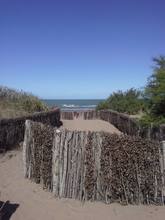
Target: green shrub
129, 102
102, 105
148, 119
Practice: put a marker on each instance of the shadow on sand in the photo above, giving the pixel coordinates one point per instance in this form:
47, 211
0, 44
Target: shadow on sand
7, 209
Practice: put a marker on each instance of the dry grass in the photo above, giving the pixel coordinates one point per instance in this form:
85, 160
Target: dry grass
15, 103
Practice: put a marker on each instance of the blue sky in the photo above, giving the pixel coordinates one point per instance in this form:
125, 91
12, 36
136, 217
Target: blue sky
79, 48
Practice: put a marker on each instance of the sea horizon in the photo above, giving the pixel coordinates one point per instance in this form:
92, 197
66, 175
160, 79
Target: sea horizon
73, 104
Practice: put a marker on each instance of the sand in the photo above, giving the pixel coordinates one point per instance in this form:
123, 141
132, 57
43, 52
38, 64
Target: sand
91, 125
37, 204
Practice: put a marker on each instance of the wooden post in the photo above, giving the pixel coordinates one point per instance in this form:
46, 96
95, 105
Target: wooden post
26, 146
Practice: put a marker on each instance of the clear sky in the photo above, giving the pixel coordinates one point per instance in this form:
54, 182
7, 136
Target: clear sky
79, 48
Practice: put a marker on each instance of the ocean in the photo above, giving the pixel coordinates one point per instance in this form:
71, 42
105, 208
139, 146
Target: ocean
73, 104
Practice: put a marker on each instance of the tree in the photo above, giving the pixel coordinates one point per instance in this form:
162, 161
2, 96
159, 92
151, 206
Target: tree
155, 89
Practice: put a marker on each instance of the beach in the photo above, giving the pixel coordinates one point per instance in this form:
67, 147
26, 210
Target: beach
37, 204
82, 110
90, 125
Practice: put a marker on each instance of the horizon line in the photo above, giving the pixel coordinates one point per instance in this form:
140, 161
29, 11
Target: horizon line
71, 99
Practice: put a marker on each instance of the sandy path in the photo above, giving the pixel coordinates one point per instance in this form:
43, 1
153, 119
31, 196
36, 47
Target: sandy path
92, 125
36, 204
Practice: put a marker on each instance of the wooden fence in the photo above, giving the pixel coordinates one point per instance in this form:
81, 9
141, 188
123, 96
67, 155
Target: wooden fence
12, 130
121, 121
94, 165
86, 115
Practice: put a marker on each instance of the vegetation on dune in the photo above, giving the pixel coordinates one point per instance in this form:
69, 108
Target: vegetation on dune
18, 103
129, 102
150, 101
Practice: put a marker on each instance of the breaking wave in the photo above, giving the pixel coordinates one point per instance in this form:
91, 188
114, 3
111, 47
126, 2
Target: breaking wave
78, 106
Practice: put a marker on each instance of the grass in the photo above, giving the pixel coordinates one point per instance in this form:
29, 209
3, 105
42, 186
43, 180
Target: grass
14, 103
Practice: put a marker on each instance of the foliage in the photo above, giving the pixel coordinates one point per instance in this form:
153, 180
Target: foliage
155, 95
151, 102
130, 102
17, 103
149, 119
102, 105
155, 89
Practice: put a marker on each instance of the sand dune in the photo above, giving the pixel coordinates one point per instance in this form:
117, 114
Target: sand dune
36, 204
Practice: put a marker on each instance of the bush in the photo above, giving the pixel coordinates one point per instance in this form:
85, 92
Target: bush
129, 102
148, 119
102, 105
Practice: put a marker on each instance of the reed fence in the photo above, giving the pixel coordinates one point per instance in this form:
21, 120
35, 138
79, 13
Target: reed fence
95, 165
